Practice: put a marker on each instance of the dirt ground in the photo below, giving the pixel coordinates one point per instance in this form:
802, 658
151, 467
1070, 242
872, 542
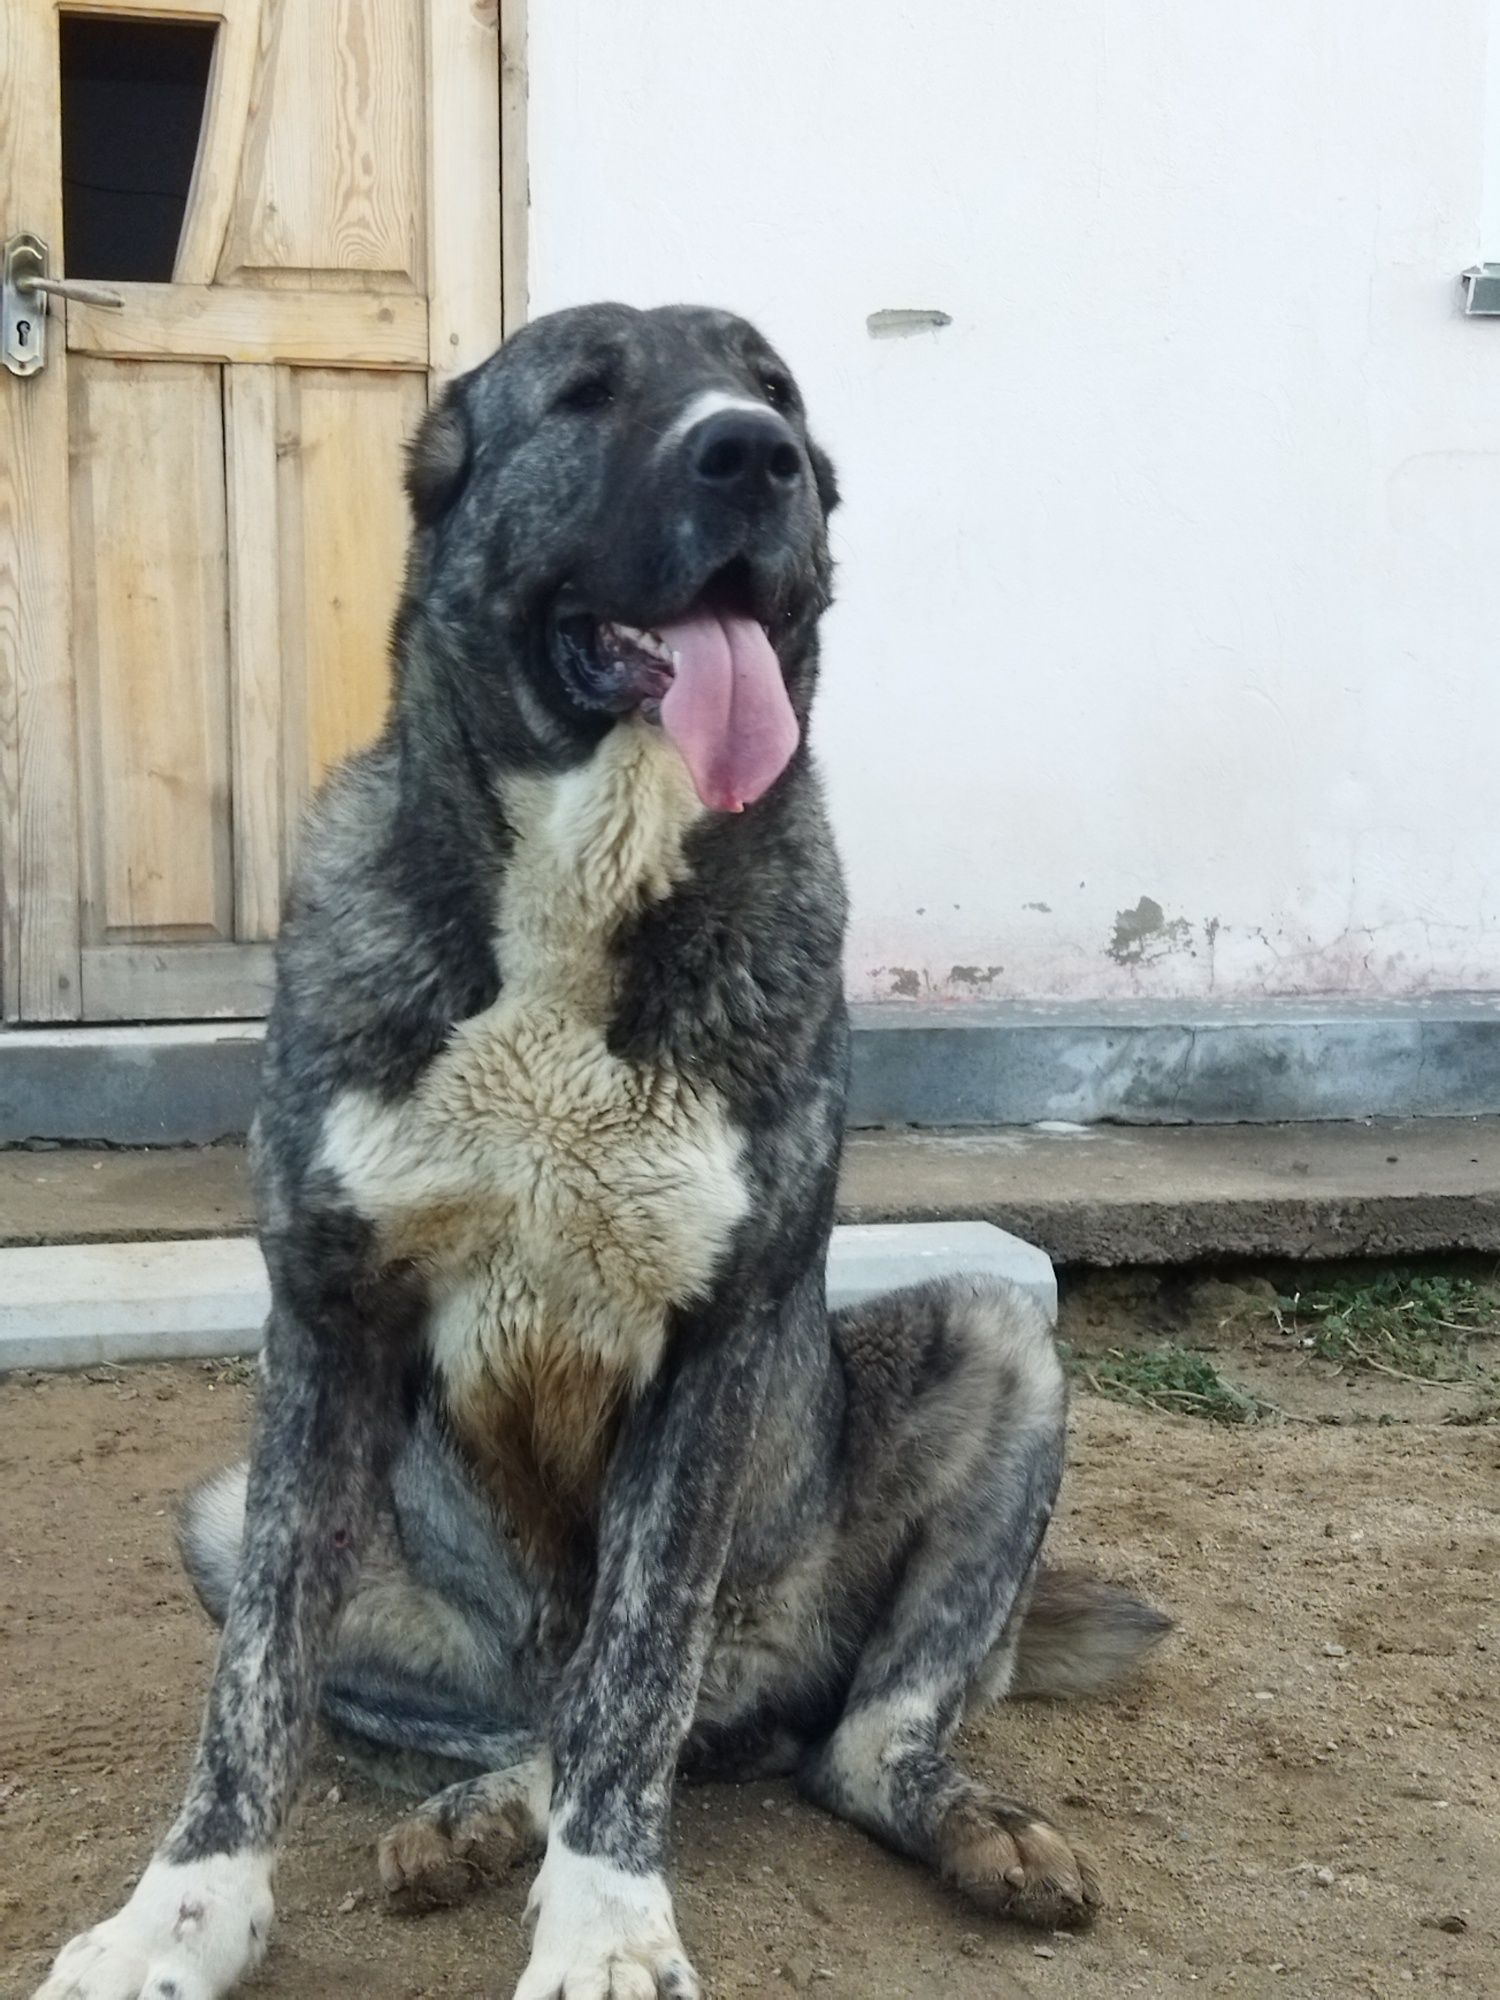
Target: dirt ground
1300, 1800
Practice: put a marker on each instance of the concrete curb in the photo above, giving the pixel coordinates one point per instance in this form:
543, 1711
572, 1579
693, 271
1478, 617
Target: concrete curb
1133, 1063
1169, 1063
187, 1084
81, 1305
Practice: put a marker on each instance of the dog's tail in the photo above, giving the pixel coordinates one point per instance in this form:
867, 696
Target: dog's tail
1080, 1636
416, 1739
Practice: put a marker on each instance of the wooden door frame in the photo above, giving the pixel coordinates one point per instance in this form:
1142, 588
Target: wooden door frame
40, 875
477, 49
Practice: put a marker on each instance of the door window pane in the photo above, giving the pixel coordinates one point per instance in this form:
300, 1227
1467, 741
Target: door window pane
133, 95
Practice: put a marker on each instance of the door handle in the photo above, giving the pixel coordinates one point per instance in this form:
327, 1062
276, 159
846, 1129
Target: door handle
65, 288
25, 290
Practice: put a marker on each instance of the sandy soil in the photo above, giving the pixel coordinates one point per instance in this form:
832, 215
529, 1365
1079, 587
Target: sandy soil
1299, 1801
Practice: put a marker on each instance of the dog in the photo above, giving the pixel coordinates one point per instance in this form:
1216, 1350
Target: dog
564, 1479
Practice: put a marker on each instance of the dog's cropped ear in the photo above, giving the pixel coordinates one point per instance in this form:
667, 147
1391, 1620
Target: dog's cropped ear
823, 475
437, 459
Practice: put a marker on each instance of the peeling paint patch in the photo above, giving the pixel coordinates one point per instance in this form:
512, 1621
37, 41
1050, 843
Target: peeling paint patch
974, 976
1045, 908
1144, 935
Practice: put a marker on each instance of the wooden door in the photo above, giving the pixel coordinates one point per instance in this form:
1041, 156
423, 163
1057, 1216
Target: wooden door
201, 522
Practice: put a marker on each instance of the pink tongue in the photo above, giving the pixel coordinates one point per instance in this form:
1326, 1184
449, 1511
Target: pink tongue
727, 709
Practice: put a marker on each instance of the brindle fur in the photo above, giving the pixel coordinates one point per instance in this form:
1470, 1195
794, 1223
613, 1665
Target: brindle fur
697, 1522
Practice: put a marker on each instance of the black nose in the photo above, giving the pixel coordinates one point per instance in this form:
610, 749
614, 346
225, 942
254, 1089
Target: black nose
747, 455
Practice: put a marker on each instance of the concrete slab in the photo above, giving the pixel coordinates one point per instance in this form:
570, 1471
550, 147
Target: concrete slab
79, 1305
76, 1305
879, 1257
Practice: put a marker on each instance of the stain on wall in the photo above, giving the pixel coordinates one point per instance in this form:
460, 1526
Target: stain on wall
1145, 934
905, 982
911, 982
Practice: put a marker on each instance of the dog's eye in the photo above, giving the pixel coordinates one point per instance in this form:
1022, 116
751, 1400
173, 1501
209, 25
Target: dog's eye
777, 390
589, 392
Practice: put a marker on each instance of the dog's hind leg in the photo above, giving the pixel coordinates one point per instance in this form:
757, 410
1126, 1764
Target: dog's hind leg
423, 1690
411, 1730
426, 1678
416, 1698
955, 1433
477, 1827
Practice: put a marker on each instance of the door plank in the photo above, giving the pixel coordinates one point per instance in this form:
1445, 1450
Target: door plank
177, 982
332, 174
254, 647
515, 191
343, 537
38, 776
150, 608
155, 10
216, 171
463, 186
234, 323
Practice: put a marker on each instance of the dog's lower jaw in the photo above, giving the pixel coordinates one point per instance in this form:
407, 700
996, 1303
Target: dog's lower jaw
602, 1933
192, 1930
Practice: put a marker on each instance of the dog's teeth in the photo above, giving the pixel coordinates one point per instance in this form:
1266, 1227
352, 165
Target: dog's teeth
650, 644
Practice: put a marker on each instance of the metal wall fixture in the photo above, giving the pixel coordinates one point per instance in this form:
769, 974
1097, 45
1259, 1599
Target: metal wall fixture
1481, 284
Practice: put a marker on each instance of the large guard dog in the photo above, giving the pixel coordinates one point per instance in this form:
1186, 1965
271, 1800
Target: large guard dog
563, 1474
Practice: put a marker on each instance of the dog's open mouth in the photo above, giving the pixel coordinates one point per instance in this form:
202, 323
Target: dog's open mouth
709, 677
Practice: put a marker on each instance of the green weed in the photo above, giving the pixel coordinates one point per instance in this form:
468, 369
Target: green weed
1171, 1379
1416, 1326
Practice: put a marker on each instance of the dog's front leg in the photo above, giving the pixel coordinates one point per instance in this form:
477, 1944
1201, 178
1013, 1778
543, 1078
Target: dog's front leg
328, 1421
605, 1929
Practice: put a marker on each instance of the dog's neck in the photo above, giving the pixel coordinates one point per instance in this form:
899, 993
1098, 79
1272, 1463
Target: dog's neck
592, 848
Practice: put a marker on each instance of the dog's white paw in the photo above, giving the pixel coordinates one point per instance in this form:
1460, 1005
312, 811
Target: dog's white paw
191, 1931
602, 1934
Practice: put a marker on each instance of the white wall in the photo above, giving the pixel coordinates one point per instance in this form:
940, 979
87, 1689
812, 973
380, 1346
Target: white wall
1170, 569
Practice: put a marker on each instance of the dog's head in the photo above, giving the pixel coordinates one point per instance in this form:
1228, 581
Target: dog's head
622, 513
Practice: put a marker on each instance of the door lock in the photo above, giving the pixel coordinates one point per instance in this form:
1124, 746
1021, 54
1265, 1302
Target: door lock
25, 292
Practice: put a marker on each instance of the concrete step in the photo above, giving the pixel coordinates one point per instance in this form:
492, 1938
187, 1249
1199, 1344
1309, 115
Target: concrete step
75, 1194
1145, 1062
1109, 1194
79, 1305
1104, 1194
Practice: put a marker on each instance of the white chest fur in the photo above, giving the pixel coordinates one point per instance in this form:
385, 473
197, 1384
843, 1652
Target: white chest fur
561, 1199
